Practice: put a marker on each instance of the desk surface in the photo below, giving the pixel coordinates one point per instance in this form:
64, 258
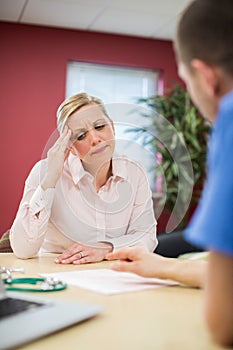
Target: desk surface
167, 318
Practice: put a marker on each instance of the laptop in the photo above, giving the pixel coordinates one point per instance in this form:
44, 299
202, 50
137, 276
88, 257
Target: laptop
24, 318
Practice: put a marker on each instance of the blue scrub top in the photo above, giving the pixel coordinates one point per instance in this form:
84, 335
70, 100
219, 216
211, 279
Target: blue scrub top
211, 226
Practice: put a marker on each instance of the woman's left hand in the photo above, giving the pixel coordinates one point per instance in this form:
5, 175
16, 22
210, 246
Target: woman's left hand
80, 253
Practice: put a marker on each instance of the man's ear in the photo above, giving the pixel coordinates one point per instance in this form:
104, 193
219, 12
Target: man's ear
208, 76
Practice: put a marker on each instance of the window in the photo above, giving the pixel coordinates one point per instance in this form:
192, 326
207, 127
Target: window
119, 88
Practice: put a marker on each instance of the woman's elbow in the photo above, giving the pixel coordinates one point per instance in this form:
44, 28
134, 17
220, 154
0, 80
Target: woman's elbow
22, 255
18, 251
22, 248
25, 252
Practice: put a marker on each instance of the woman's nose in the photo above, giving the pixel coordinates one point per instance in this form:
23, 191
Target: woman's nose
94, 136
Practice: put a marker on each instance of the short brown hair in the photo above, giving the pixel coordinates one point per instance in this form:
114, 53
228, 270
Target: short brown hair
72, 104
205, 31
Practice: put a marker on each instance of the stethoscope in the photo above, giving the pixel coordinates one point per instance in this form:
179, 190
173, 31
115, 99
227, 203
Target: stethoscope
41, 284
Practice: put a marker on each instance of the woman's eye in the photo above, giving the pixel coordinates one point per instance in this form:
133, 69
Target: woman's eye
81, 136
99, 127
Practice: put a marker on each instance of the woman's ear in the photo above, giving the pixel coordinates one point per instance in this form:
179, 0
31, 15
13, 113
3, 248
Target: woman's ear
113, 127
73, 150
208, 75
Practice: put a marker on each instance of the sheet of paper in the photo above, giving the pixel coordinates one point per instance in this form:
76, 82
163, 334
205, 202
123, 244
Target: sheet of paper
108, 281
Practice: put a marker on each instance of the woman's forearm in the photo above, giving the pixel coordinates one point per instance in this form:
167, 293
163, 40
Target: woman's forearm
27, 235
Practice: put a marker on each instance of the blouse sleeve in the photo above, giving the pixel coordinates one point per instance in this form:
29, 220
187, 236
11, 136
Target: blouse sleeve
29, 227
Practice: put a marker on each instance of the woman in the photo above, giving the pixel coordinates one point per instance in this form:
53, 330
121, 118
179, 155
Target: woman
84, 201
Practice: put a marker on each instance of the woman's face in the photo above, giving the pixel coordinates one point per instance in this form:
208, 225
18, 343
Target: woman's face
92, 134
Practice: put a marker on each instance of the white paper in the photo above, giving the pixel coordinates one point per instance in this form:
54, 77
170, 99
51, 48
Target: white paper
108, 281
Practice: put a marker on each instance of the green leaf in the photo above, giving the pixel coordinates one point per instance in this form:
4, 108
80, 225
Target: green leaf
181, 124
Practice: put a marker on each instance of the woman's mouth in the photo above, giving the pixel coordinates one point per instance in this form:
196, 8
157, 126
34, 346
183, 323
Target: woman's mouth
100, 149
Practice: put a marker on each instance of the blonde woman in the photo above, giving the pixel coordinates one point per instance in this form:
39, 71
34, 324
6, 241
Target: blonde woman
84, 201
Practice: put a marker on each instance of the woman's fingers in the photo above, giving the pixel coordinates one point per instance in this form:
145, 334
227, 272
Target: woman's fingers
63, 140
70, 254
80, 254
56, 158
76, 254
83, 260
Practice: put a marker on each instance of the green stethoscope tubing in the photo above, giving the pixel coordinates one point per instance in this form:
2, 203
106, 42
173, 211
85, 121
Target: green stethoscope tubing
51, 287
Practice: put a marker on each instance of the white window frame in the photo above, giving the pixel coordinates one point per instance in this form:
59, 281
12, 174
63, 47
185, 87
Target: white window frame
107, 83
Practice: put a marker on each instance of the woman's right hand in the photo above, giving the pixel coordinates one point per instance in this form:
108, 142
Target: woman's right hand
56, 157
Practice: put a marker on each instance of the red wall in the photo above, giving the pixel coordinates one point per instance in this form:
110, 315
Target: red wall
33, 64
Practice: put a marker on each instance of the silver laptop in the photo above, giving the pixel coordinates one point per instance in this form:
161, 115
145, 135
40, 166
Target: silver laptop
24, 318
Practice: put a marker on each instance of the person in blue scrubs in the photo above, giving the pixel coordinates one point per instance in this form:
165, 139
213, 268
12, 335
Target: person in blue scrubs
204, 51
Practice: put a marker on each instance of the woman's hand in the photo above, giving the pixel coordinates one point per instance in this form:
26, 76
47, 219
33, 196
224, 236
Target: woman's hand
80, 253
56, 157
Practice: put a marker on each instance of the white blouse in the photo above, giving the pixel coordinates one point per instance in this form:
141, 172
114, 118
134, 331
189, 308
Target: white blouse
121, 212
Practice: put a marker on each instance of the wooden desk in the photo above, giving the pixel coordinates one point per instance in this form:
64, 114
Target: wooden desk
168, 318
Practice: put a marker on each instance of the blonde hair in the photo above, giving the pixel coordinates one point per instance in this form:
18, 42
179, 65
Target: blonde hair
72, 104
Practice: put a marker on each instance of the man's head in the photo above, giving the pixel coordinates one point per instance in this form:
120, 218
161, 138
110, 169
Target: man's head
204, 51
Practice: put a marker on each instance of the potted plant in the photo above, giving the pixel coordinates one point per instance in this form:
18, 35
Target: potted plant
178, 134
